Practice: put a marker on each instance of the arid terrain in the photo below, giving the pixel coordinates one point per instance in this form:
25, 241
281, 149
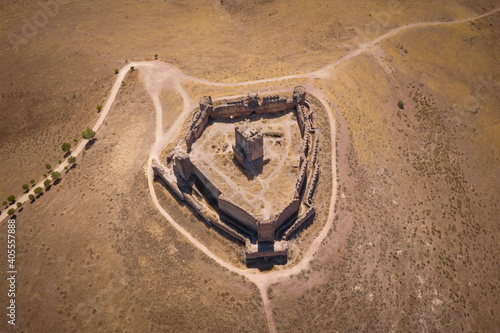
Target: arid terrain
406, 235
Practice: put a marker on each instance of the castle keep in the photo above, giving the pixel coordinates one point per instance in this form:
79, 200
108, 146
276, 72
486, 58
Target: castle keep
264, 236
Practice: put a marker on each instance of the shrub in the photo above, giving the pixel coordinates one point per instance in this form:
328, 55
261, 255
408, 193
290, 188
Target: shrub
55, 175
19, 204
116, 71
401, 105
88, 134
75, 139
38, 190
48, 166
11, 211
26, 187
72, 159
46, 183
156, 56
4, 203
31, 197
11, 198
32, 181
66, 146
132, 68
44, 174
99, 108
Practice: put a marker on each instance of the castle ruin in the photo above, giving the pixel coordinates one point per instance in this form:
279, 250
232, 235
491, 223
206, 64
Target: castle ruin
264, 237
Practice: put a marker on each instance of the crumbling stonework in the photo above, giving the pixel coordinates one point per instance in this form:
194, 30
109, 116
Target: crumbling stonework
248, 148
249, 141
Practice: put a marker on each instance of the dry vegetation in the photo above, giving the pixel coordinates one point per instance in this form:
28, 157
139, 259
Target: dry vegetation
415, 241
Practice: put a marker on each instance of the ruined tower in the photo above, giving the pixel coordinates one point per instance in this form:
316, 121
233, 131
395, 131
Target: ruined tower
249, 143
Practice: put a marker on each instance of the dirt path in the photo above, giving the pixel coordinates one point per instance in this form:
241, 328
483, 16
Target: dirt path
158, 76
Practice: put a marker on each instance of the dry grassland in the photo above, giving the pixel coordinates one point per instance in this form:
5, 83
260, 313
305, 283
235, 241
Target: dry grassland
415, 241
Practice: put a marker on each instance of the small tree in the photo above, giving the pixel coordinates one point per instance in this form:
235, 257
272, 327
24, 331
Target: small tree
38, 190
75, 139
11, 211
19, 204
99, 108
55, 175
31, 197
88, 134
44, 174
26, 187
66, 146
32, 181
48, 166
46, 182
11, 198
401, 105
156, 56
72, 159
132, 68
116, 71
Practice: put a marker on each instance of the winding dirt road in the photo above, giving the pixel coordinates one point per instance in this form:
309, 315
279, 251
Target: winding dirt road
158, 75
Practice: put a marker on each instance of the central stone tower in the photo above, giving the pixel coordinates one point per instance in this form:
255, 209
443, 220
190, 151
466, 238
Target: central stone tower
249, 144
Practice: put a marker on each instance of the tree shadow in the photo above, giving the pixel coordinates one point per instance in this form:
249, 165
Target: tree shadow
68, 153
57, 181
39, 195
90, 143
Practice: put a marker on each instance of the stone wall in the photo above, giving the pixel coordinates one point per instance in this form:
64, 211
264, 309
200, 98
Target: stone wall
159, 170
211, 187
301, 178
312, 185
238, 213
310, 213
286, 213
266, 232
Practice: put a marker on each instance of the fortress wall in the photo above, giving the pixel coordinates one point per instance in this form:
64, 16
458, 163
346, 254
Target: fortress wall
214, 190
301, 178
301, 120
314, 158
286, 213
266, 232
313, 185
310, 213
196, 206
239, 109
160, 172
238, 213
305, 144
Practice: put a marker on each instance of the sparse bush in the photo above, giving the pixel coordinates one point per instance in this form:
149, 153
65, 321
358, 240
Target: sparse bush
99, 108
66, 146
48, 166
31, 197
55, 175
75, 139
32, 181
44, 174
401, 105
88, 134
19, 204
26, 187
156, 56
38, 190
4, 203
11, 211
46, 182
72, 159
132, 68
116, 71
11, 198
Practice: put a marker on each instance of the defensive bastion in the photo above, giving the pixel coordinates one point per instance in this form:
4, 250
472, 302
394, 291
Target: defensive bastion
267, 237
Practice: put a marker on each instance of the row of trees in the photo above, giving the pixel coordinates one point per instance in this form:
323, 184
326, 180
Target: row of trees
88, 134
